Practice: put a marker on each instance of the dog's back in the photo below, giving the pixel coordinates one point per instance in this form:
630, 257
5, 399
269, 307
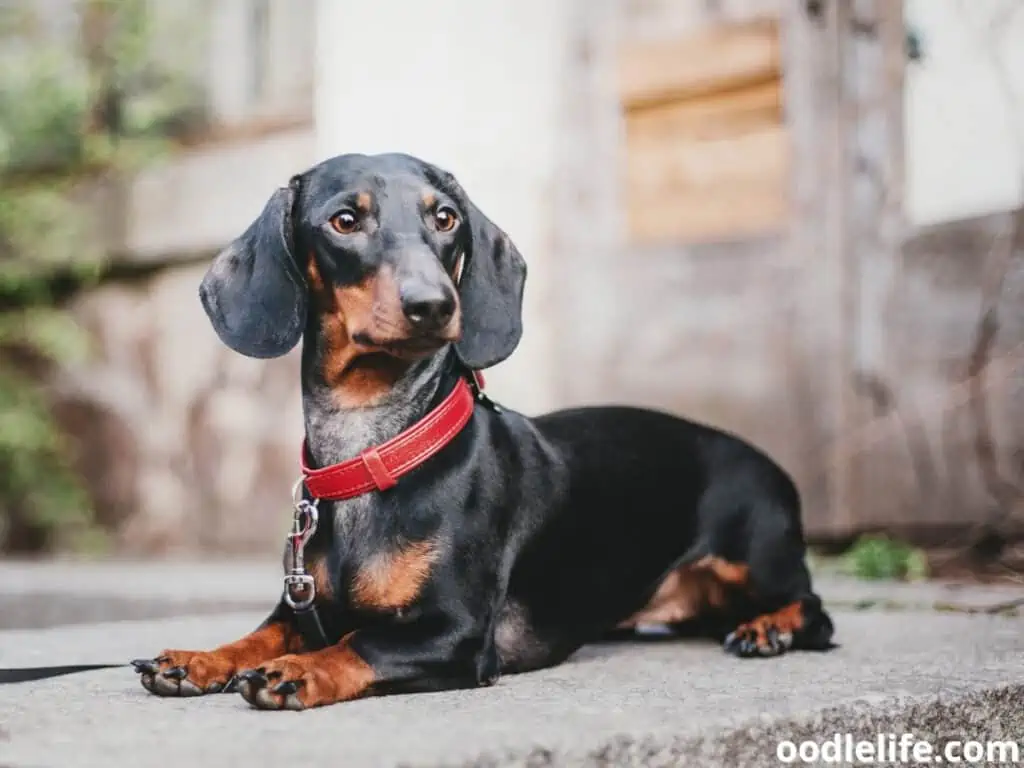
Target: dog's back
662, 520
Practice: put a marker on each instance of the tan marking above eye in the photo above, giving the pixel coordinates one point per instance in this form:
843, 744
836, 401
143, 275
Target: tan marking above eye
344, 222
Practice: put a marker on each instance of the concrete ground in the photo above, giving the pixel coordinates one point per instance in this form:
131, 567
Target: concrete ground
938, 661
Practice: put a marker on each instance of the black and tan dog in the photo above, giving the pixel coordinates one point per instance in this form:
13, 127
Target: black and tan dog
509, 542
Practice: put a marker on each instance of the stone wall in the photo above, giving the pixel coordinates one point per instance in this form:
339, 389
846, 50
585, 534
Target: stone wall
943, 442
184, 443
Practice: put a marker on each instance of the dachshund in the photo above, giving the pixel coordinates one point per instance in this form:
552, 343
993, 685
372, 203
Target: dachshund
458, 540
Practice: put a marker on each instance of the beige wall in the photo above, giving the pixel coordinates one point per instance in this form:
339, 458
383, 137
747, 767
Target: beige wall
258, 69
476, 88
199, 200
187, 444
965, 110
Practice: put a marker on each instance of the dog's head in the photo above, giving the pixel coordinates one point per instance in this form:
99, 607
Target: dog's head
385, 252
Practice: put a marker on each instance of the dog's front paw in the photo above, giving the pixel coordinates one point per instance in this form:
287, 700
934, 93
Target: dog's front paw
186, 673
309, 680
290, 682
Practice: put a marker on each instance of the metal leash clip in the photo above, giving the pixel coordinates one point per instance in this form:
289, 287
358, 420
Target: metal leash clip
304, 522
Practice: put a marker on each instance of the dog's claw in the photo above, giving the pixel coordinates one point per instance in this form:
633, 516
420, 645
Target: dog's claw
255, 677
176, 673
231, 686
746, 645
287, 687
733, 643
740, 645
145, 666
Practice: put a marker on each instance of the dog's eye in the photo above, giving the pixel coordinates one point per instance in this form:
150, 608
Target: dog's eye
445, 218
345, 222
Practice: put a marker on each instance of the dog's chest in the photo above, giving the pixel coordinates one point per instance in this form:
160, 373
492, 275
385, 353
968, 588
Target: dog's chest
366, 567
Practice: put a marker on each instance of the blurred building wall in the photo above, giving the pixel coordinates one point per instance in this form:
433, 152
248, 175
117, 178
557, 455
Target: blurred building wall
963, 101
837, 332
476, 88
946, 407
187, 444
184, 442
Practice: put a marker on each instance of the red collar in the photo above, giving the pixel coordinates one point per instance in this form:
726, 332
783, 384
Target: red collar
379, 467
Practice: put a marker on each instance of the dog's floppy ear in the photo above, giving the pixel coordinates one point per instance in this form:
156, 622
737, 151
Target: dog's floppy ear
254, 293
490, 291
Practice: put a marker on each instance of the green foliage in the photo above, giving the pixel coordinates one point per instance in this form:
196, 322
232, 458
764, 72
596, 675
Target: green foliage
880, 558
80, 103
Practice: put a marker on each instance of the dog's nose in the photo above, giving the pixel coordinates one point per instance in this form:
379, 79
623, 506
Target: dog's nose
428, 311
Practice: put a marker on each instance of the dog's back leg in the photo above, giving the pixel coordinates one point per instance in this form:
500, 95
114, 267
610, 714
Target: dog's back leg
784, 611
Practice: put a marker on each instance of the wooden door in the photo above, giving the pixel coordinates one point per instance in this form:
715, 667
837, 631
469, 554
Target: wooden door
684, 289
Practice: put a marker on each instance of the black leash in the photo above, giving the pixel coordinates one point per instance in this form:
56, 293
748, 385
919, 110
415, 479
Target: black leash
299, 594
28, 674
310, 628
